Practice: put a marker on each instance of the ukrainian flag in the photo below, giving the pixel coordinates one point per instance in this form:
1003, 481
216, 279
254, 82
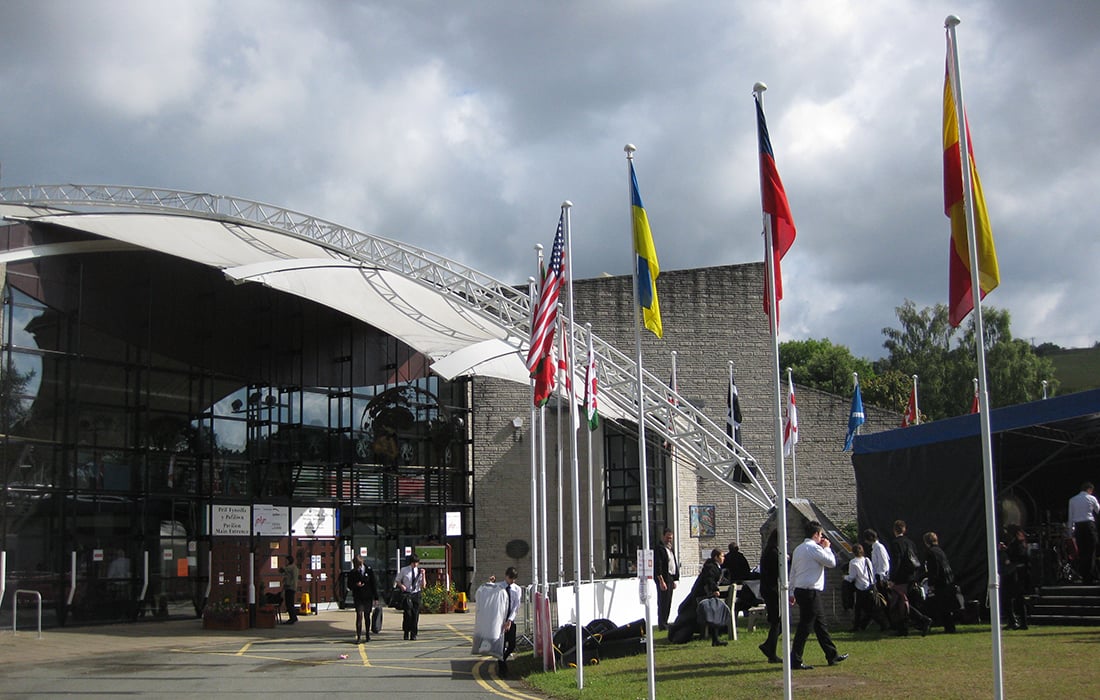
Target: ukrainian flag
646, 255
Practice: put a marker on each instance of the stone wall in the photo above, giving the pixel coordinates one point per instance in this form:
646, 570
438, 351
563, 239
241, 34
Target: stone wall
710, 316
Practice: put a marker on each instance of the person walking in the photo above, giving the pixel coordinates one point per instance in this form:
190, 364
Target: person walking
410, 580
1083, 509
515, 595
862, 577
290, 589
364, 593
943, 603
905, 567
666, 572
1016, 576
769, 591
808, 564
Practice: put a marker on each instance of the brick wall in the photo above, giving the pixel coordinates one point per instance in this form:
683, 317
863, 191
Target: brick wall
711, 316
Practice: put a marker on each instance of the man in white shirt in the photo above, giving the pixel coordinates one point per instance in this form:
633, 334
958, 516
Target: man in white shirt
880, 558
515, 595
410, 580
808, 564
1083, 509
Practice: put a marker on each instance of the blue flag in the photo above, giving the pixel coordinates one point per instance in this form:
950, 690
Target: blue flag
855, 419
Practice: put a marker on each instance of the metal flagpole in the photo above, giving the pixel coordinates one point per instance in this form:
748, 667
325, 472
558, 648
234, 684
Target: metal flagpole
672, 461
560, 454
643, 478
916, 403
736, 500
794, 445
573, 459
591, 489
781, 513
532, 448
544, 532
983, 396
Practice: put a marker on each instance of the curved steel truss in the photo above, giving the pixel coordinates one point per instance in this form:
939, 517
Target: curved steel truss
696, 440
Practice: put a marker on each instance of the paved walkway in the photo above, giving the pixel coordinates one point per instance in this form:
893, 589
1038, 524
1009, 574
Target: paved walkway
177, 658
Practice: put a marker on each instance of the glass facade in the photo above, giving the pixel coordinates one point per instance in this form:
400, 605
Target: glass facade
623, 499
137, 390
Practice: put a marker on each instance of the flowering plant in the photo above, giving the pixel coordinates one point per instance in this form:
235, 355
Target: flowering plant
223, 609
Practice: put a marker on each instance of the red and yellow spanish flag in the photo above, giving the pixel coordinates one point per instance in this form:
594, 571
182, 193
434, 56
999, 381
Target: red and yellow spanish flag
960, 298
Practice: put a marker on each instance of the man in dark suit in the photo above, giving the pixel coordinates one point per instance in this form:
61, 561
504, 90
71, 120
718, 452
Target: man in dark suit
905, 570
364, 591
666, 572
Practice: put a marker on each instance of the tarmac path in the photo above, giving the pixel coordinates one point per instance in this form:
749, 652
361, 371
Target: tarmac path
317, 656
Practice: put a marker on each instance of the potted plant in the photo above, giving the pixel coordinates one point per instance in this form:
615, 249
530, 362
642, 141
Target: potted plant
225, 614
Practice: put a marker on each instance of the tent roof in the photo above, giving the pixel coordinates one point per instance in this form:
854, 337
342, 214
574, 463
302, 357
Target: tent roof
1073, 417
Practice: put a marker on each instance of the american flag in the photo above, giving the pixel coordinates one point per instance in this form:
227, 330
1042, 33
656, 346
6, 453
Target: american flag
545, 317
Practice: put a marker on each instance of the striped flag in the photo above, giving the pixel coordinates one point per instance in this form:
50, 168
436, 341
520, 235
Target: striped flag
645, 260
960, 296
855, 418
774, 200
911, 417
590, 407
545, 317
790, 422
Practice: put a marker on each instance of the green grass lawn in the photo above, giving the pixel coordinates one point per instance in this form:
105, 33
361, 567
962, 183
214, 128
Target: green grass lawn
1043, 662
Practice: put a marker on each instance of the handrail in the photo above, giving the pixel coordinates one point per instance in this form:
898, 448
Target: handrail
145, 583
15, 609
72, 579
699, 442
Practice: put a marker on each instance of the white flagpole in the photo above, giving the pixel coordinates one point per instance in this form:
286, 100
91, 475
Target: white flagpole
573, 459
559, 390
532, 290
544, 530
916, 403
591, 488
781, 512
983, 396
733, 428
672, 463
643, 479
794, 446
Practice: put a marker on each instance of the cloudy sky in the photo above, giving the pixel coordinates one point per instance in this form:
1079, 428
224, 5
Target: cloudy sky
461, 126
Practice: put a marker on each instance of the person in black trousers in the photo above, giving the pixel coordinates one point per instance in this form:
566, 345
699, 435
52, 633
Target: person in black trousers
364, 593
410, 581
769, 591
943, 602
905, 567
1016, 573
665, 573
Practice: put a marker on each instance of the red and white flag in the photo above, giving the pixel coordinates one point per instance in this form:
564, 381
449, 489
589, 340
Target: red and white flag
790, 422
911, 417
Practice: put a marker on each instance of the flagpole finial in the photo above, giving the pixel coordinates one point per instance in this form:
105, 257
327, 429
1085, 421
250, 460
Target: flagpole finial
566, 204
914, 377
538, 247
759, 87
951, 21
674, 353
790, 369
630, 148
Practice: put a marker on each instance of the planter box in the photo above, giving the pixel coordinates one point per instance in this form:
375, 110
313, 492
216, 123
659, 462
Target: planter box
236, 622
265, 618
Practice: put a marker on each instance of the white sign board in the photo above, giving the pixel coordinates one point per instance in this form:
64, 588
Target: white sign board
230, 520
454, 523
313, 522
270, 521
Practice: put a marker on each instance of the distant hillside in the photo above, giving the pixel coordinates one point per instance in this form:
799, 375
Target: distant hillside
1076, 369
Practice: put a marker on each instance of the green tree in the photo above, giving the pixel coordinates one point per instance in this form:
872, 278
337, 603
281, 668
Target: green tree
823, 365
944, 360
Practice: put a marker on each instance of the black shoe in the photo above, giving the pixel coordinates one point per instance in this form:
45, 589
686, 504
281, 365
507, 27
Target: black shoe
367, 638
927, 627
406, 636
837, 659
774, 660
717, 643
1023, 627
801, 667
412, 637
356, 639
